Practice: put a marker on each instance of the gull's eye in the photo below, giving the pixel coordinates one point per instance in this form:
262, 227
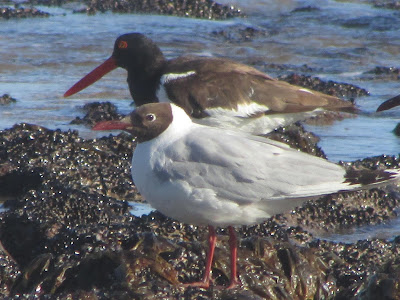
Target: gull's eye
150, 117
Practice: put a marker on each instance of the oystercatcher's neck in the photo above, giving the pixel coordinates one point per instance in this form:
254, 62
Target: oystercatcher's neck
143, 89
145, 63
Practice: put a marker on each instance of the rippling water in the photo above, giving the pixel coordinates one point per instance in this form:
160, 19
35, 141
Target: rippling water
41, 58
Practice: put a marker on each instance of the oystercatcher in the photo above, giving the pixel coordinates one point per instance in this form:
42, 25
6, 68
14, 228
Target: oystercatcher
215, 91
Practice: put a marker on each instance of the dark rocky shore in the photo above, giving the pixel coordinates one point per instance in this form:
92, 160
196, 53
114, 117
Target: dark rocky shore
21, 12
68, 233
203, 9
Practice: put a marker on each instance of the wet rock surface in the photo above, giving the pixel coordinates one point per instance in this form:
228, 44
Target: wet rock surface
384, 73
21, 12
396, 130
298, 75
341, 90
205, 9
298, 138
68, 232
187, 8
7, 99
35, 156
308, 8
96, 112
387, 4
240, 33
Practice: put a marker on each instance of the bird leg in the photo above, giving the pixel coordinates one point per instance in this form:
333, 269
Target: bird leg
205, 282
233, 247
212, 238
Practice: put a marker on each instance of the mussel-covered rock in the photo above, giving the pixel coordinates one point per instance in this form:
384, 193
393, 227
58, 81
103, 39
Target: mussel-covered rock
386, 73
396, 130
21, 12
205, 9
391, 4
240, 33
97, 112
341, 90
37, 154
68, 232
7, 99
298, 138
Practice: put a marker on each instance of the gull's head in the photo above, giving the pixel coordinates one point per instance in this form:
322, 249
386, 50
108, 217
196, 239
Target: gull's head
147, 121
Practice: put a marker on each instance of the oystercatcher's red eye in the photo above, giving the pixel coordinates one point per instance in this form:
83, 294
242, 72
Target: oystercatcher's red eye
150, 117
122, 45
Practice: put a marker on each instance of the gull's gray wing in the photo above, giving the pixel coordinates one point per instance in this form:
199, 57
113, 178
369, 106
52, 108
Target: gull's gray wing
246, 169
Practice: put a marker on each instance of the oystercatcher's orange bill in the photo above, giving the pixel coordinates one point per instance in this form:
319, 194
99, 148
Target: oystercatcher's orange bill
106, 67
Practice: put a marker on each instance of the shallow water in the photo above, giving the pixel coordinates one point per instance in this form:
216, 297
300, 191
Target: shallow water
387, 231
41, 58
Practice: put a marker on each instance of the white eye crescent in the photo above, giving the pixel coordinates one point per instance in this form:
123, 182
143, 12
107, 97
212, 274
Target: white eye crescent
151, 117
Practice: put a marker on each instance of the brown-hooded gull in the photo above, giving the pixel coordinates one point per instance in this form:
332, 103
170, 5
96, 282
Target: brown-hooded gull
211, 176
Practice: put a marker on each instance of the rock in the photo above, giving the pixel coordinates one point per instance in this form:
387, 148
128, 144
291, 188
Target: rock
396, 130
387, 4
69, 233
336, 212
11, 13
7, 99
98, 166
298, 138
96, 112
240, 33
308, 8
373, 163
204, 9
17, 182
341, 90
382, 285
9, 271
385, 73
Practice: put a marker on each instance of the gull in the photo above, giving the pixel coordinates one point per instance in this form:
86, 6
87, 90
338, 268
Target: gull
210, 176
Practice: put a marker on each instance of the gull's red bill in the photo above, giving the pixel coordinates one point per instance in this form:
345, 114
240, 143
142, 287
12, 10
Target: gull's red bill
106, 67
111, 125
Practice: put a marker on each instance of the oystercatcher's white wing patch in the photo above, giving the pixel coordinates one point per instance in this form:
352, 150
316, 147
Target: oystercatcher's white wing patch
243, 110
174, 76
305, 90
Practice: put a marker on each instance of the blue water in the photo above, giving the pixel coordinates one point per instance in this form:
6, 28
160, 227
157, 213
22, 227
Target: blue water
387, 231
40, 58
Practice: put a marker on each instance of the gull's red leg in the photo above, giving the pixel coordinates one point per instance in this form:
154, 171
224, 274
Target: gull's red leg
212, 239
233, 246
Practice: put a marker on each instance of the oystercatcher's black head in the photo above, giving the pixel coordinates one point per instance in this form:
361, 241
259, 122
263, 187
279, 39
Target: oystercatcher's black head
140, 56
137, 53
